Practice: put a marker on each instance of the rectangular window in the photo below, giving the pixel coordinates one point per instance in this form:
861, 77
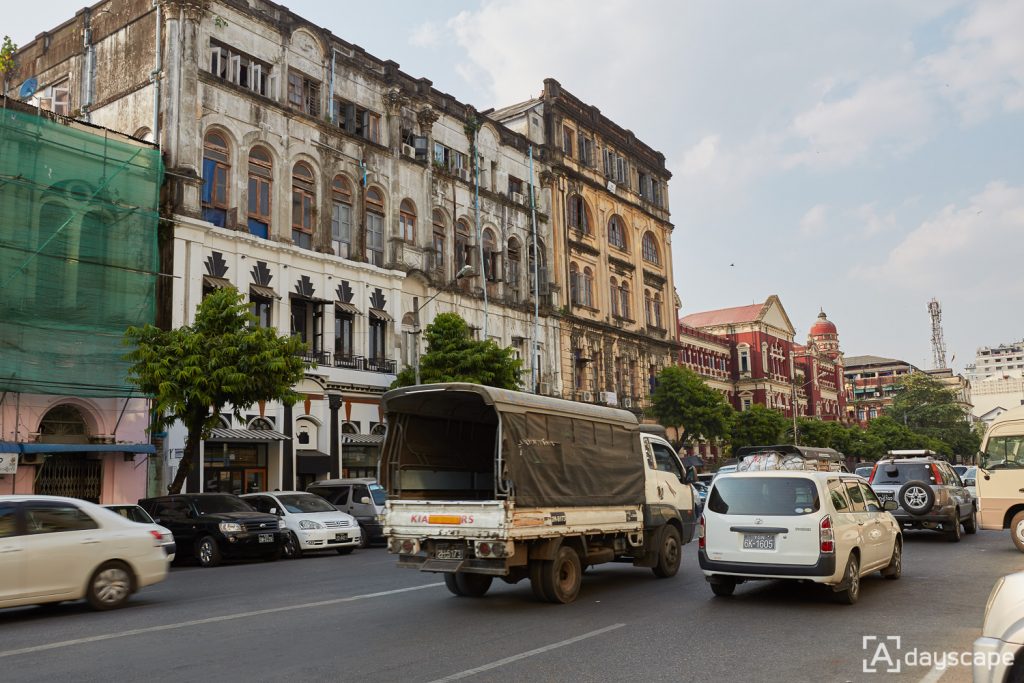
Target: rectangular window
344, 326
585, 146
304, 93
357, 120
375, 238
259, 205
341, 229
515, 185
261, 308
233, 66
438, 255
567, 141
378, 333
302, 218
307, 323
61, 98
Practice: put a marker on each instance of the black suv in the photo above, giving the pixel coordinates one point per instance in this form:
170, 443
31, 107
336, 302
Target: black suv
211, 526
929, 492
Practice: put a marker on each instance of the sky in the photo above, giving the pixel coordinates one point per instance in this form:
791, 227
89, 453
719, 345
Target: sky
861, 158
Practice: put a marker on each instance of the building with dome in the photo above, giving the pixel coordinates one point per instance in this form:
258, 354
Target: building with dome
822, 365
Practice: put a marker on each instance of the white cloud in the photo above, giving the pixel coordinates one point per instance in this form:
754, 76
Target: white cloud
872, 223
814, 221
427, 35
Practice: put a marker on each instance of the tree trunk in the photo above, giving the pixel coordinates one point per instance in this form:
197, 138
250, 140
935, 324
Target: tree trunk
195, 430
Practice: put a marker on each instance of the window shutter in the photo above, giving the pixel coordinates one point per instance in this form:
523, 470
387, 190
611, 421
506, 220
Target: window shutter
209, 170
350, 117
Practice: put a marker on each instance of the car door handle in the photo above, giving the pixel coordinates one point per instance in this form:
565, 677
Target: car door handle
90, 540
11, 550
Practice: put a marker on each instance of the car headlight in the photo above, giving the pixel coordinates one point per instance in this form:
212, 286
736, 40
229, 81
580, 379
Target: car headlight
281, 524
310, 524
230, 527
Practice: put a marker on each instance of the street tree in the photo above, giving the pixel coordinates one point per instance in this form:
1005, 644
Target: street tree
928, 407
8, 63
758, 426
893, 435
454, 356
682, 400
222, 359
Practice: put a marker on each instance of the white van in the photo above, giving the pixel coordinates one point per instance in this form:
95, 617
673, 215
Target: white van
1000, 476
824, 527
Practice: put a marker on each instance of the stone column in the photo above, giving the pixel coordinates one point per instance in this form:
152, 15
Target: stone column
335, 403
288, 461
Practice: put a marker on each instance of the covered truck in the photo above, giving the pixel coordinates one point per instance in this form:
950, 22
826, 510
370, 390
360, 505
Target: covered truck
485, 482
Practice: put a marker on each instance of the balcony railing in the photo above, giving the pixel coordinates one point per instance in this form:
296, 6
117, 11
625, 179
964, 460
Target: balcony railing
350, 362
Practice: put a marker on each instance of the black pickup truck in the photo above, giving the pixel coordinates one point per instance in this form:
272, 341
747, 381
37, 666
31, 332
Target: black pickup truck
212, 526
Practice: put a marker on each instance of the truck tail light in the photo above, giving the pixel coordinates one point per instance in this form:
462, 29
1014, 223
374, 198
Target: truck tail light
488, 549
701, 541
871, 477
825, 536
935, 473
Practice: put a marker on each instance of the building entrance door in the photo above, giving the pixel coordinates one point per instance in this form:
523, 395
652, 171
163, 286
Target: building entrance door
255, 480
72, 475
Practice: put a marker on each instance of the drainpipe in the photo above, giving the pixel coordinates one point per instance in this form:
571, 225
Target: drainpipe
157, 69
476, 218
534, 370
90, 56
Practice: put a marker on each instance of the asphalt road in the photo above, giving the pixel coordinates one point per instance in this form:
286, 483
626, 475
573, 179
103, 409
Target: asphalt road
359, 618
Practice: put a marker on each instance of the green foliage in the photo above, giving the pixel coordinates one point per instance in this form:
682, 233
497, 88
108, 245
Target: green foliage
926, 406
682, 400
758, 426
7, 61
222, 359
454, 356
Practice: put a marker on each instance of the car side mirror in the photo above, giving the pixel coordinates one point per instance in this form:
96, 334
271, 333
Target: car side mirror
365, 500
890, 505
274, 511
691, 475
157, 520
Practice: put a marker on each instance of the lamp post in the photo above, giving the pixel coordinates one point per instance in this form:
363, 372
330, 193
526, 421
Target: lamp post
465, 271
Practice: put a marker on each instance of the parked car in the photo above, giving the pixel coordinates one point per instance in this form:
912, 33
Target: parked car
212, 526
961, 470
929, 493
312, 522
824, 527
970, 480
700, 495
136, 514
362, 498
864, 471
999, 652
54, 549
724, 469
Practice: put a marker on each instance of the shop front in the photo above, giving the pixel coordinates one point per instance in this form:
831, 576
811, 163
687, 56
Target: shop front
360, 454
242, 461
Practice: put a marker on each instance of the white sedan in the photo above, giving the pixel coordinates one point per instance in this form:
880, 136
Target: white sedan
54, 549
999, 653
312, 522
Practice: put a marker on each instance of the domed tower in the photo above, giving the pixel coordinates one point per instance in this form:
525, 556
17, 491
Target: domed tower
824, 334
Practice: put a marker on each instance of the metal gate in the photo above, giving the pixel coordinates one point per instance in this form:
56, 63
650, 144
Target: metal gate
71, 475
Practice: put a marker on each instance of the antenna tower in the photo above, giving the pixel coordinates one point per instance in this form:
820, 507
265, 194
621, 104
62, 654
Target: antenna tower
938, 344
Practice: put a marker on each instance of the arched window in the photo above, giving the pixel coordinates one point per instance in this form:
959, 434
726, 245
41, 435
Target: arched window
341, 216
216, 167
648, 316
617, 233
63, 423
588, 287
261, 423
440, 225
541, 266
743, 353
614, 297
764, 357
260, 191
407, 221
650, 249
624, 298
491, 254
463, 253
375, 227
512, 264
579, 216
574, 283
657, 311
349, 428
303, 203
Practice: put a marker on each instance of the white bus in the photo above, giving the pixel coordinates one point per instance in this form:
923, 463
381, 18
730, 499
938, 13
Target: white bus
1000, 481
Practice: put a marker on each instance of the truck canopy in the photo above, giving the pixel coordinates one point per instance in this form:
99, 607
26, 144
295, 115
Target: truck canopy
462, 441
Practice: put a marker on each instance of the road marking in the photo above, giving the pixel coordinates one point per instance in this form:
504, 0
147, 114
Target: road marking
209, 620
524, 655
934, 675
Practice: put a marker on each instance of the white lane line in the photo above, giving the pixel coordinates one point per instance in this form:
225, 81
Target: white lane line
208, 620
524, 655
934, 675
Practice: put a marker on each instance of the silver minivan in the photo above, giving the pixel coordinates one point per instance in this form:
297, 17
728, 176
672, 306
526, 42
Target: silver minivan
362, 498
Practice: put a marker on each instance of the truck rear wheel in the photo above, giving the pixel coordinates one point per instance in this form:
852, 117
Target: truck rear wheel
561, 577
473, 585
669, 552
536, 582
452, 584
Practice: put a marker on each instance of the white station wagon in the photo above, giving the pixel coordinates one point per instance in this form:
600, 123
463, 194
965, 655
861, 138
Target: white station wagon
824, 527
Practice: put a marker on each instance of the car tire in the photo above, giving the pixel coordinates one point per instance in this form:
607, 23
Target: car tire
850, 593
291, 549
954, 528
208, 552
561, 577
1017, 531
452, 585
670, 551
536, 583
723, 588
894, 569
364, 538
1016, 673
971, 525
110, 586
916, 497
345, 551
473, 585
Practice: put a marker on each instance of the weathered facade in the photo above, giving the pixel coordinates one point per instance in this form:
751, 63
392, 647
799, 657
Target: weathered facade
611, 246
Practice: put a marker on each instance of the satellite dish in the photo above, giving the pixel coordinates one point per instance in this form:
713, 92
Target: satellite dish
28, 88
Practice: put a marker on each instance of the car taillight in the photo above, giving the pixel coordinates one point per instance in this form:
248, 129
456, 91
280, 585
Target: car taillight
935, 473
157, 535
874, 469
701, 541
825, 536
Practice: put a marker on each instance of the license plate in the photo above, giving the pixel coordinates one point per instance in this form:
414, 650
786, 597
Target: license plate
449, 553
266, 538
885, 495
340, 537
758, 542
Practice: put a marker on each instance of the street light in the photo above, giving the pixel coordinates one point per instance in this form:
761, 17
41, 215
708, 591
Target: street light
465, 271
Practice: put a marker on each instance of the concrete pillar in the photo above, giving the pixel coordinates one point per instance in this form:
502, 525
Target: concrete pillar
335, 403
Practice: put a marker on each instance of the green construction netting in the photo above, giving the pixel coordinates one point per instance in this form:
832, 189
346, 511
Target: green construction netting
78, 254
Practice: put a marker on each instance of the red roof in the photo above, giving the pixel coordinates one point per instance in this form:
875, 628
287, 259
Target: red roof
724, 316
823, 327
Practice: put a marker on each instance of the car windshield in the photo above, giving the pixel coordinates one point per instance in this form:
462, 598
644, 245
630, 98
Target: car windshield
778, 496
380, 496
1003, 452
208, 505
299, 503
134, 513
902, 472
863, 472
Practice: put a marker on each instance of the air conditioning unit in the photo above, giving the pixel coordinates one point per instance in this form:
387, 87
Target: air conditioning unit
31, 458
409, 151
463, 173
545, 388
517, 197
587, 396
627, 402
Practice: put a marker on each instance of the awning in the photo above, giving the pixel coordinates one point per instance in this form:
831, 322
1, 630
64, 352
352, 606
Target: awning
312, 462
17, 447
216, 282
246, 435
362, 439
381, 315
347, 308
265, 292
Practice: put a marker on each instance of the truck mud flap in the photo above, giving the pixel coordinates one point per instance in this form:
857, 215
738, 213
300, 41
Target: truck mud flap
432, 565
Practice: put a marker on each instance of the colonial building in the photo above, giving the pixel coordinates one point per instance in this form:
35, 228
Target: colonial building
822, 365
996, 379
871, 384
612, 255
